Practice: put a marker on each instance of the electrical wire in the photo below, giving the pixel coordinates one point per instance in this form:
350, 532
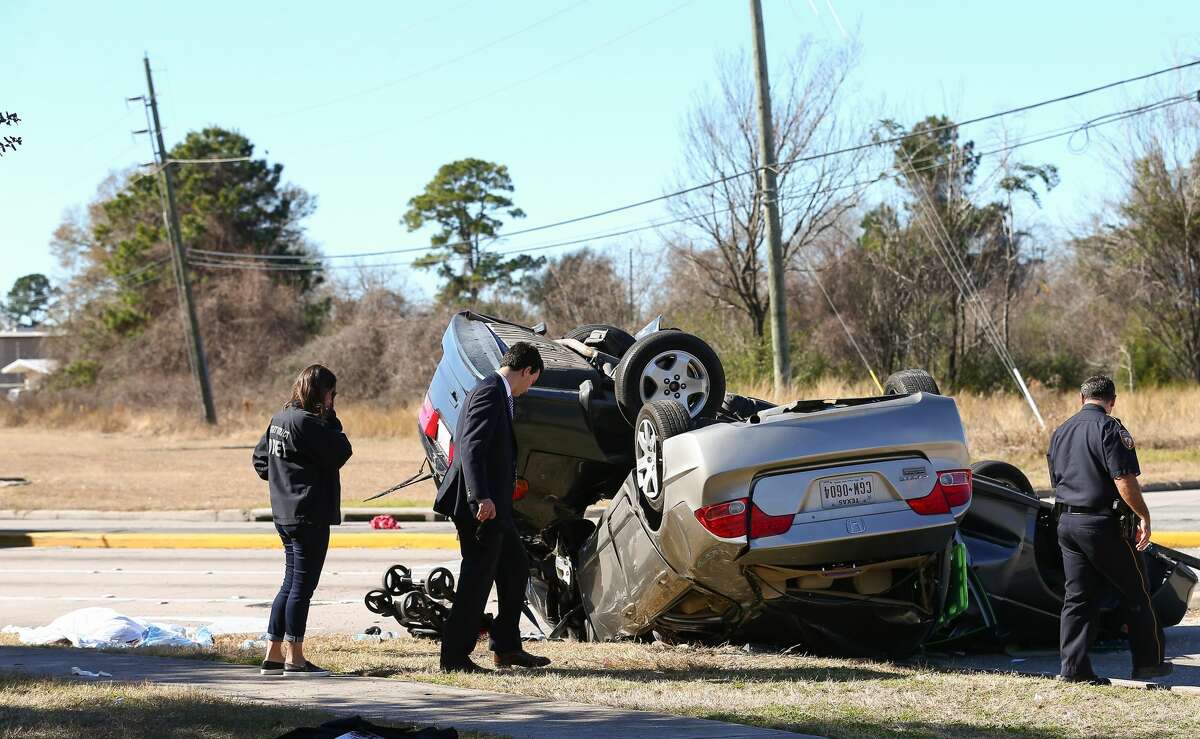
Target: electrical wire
796, 160
432, 68
541, 73
224, 160
208, 257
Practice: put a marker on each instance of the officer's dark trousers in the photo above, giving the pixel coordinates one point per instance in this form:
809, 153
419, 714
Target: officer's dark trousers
1095, 553
498, 558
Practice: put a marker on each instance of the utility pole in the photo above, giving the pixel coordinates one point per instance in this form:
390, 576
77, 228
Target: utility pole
191, 326
768, 192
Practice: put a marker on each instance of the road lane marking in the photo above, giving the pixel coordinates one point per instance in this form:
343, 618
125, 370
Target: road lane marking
193, 540
164, 601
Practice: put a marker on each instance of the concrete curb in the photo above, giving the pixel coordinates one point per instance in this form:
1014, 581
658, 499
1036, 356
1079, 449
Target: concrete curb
192, 540
230, 514
382, 539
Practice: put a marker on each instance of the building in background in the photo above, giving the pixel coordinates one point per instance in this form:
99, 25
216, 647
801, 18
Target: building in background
24, 359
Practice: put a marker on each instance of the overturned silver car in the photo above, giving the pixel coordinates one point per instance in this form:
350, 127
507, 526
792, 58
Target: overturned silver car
841, 524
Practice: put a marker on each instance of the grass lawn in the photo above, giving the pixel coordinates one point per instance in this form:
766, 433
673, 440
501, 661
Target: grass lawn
831, 697
41, 708
124, 472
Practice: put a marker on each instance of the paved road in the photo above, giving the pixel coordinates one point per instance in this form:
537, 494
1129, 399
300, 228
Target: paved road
193, 585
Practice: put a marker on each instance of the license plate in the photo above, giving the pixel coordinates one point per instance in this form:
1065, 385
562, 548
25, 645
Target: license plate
846, 491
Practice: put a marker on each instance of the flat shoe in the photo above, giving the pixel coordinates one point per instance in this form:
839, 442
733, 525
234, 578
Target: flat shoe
308, 670
271, 668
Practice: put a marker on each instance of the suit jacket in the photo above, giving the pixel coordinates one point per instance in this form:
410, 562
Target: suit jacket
485, 454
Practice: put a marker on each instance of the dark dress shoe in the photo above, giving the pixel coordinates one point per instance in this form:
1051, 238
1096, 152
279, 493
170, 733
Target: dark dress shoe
464, 666
519, 658
1162, 669
1084, 679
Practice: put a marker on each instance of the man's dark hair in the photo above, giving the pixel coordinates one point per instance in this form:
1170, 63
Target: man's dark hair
1098, 387
522, 355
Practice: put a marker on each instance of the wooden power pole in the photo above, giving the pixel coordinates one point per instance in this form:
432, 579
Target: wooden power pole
768, 192
191, 325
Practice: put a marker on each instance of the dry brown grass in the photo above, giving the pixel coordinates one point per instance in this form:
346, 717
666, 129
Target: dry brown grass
824, 696
41, 708
59, 709
134, 472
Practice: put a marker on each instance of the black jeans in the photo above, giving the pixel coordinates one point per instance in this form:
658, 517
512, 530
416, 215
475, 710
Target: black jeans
304, 549
1095, 552
499, 558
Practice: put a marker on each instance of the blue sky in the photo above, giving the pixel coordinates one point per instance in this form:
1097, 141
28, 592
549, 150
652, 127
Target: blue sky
582, 100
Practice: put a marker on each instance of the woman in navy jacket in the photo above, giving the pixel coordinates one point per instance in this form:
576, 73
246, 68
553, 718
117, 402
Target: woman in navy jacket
300, 456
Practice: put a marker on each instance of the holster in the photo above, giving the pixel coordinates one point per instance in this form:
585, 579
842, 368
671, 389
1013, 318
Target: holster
1127, 520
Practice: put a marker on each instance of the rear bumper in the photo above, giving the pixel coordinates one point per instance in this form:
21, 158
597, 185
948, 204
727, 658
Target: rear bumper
883, 536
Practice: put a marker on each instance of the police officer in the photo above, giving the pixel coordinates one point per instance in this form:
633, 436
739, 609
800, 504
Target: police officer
1093, 466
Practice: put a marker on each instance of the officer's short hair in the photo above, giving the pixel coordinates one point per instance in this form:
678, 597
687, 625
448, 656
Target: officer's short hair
1098, 387
523, 355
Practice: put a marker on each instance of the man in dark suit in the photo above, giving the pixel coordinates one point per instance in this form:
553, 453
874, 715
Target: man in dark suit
477, 495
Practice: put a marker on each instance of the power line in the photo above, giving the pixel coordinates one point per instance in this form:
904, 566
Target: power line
787, 163
211, 256
219, 160
432, 68
524, 80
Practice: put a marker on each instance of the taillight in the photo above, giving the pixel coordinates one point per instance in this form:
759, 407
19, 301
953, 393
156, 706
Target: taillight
726, 520
951, 490
520, 488
956, 486
931, 504
762, 524
428, 419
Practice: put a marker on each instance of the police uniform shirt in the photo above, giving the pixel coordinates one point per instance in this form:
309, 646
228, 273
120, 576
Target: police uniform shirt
1088, 452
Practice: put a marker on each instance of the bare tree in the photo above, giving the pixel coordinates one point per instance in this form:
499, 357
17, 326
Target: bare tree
578, 288
1147, 249
723, 232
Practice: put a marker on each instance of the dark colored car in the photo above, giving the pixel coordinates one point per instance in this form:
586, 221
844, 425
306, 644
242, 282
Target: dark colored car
852, 525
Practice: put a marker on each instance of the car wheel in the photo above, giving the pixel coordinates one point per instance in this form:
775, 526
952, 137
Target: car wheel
658, 421
910, 381
1005, 474
670, 365
608, 339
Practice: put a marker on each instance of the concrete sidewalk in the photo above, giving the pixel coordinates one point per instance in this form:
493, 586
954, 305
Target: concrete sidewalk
1182, 648
384, 699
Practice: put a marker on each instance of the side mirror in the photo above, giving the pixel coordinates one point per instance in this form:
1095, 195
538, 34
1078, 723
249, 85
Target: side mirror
539, 328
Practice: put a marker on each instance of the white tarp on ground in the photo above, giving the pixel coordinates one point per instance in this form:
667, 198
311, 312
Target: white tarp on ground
104, 627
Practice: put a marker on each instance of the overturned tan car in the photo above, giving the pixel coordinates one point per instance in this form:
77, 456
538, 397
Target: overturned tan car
845, 525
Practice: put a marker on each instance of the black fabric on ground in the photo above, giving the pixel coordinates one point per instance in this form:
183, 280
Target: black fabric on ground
360, 728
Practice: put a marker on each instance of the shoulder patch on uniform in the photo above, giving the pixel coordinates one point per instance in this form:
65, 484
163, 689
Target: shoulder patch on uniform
1126, 438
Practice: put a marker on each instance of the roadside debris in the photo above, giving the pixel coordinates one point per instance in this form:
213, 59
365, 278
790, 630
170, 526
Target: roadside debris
95, 628
384, 521
79, 672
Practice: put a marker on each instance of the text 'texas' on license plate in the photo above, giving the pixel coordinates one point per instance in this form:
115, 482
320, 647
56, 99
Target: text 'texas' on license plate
846, 491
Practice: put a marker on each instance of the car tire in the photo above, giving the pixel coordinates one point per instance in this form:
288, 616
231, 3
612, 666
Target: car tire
1005, 474
615, 342
909, 381
658, 421
661, 366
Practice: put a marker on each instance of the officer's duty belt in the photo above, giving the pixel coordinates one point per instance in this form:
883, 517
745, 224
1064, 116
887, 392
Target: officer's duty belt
1094, 510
